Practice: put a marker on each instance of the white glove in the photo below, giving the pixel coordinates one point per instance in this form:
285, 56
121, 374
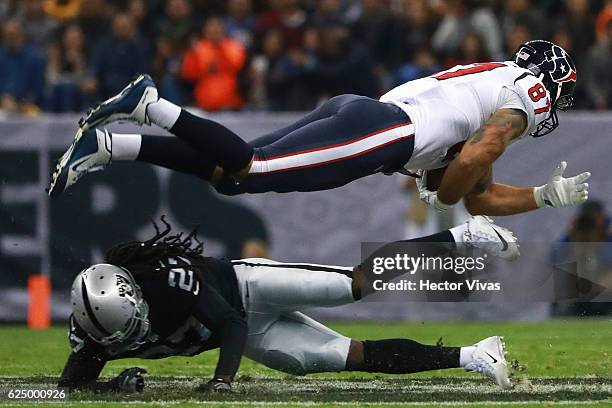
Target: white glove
563, 192
428, 196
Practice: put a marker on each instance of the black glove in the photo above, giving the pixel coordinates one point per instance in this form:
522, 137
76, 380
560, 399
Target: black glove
130, 380
217, 385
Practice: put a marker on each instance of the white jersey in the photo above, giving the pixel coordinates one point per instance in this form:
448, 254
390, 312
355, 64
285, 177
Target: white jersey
450, 106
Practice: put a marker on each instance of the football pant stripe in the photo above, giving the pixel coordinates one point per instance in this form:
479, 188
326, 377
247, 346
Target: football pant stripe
333, 153
309, 267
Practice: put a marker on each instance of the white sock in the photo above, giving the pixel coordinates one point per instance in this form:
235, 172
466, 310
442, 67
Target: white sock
163, 113
458, 232
125, 146
465, 355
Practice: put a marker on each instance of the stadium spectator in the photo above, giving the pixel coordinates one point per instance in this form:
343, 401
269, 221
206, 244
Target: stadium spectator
413, 28
289, 85
342, 66
286, 16
118, 57
239, 22
177, 23
213, 65
63, 10
471, 49
521, 12
327, 13
166, 70
450, 29
71, 86
390, 34
603, 18
579, 23
22, 69
423, 64
598, 78
584, 243
374, 29
519, 34
94, 19
139, 12
37, 26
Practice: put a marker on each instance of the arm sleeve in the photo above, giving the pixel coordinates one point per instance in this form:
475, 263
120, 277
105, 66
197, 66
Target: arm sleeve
84, 364
220, 317
82, 371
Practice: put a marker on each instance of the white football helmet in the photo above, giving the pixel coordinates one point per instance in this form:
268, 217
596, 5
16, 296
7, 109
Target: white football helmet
107, 303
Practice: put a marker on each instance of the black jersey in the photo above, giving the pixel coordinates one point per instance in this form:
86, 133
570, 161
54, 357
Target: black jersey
194, 306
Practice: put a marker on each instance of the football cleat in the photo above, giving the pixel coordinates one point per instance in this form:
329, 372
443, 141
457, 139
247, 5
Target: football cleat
489, 359
130, 105
498, 241
90, 151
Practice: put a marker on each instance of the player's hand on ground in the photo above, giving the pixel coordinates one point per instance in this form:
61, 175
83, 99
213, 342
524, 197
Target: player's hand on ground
130, 380
561, 191
428, 196
217, 385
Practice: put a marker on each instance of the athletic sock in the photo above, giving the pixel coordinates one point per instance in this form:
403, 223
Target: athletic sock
172, 153
213, 140
125, 146
458, 232
465, 355
404, 356
163, 113
444, 236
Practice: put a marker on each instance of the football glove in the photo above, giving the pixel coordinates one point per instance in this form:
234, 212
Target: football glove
218, 385
561, 191
130, 380
428, 196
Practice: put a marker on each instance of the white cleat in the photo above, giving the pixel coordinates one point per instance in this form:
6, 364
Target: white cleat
489, 359
90, 151
484, 234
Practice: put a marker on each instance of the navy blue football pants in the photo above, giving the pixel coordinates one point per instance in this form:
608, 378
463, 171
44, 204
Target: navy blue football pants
346, 138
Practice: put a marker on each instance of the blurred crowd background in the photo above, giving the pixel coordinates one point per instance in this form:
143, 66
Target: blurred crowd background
63, 55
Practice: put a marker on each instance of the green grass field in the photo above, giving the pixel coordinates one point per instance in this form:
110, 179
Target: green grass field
565, 363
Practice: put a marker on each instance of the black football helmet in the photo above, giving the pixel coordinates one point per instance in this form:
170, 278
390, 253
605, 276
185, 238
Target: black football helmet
557, 71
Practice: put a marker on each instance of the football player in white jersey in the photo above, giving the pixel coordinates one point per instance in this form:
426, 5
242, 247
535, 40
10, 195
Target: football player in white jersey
463, 118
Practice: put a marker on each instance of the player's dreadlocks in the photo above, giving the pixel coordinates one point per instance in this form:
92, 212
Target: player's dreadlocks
144, 256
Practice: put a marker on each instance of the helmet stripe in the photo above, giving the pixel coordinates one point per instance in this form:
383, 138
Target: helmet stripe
89, 310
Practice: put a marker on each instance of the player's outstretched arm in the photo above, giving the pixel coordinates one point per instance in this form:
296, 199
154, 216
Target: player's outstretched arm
479, 153
502, 199
215, 313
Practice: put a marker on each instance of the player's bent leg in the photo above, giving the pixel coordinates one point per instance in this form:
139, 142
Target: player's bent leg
94, 149
296, 344
361, 137
139, 102
405, 356
282, 287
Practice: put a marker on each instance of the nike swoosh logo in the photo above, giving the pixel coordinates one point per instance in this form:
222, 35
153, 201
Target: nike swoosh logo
492, 358
504, 242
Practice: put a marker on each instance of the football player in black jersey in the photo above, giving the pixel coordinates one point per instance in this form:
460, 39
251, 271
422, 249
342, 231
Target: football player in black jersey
160, 298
